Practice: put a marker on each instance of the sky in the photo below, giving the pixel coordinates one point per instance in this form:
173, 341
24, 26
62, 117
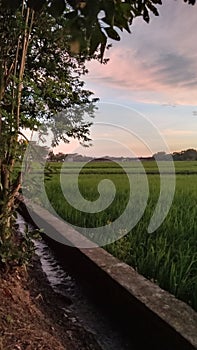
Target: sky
148, 89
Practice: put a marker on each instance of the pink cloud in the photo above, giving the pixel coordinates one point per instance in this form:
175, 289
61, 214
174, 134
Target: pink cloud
129, 75
156, 64
171, 132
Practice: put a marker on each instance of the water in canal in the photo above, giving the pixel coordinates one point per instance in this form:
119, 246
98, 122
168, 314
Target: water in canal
107, 333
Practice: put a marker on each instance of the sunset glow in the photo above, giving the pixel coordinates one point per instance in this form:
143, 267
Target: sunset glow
154, 71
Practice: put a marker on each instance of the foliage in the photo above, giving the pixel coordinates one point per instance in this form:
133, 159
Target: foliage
53, 93
91, 23
59, 157
19, 249
40, 84
185, 155
39, 79
189, 154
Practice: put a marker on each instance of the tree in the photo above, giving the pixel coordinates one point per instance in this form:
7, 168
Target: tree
161, 156
51, 157
34, 35
189, 154
39, 84
91, 22
59, 157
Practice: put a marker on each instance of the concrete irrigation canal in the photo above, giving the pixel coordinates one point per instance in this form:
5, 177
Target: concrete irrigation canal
107, 333
120, 307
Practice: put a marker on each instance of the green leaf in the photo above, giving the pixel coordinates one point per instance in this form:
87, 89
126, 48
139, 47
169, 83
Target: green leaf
109, 8
71, 15
190, 2
36, 5
123, 19
106, 20
125, 9
112, 33
146, 15
97, 38
102, 49
13, 5
153, 9
57, 8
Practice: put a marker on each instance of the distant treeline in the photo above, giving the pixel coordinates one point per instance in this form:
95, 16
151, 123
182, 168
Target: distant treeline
186, 155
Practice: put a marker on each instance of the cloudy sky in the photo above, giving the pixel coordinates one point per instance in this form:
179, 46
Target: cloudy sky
148, 90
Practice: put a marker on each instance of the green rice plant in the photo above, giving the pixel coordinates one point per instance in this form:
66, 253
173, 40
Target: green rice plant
167, 256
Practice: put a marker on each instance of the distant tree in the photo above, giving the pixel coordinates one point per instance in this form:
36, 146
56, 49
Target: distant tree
162, 156
189, 154
51, 157
60, 157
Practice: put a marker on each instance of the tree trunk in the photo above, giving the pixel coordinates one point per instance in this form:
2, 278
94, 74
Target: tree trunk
9, 137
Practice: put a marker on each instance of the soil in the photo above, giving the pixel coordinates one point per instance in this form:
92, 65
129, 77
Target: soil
34, 317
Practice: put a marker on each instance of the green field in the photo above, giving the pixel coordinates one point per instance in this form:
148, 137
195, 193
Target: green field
167, 256
181, 167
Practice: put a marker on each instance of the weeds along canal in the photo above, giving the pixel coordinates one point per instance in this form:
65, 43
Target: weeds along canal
108, 333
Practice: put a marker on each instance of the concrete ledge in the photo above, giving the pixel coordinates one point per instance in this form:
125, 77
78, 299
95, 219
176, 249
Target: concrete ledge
153, 316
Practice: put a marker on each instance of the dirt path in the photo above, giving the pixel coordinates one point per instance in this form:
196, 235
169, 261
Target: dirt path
33, 317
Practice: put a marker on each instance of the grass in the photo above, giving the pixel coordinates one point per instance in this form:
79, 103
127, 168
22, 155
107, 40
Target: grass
151, 167
167, 256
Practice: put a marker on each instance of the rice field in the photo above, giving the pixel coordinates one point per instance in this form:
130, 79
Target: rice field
167, 256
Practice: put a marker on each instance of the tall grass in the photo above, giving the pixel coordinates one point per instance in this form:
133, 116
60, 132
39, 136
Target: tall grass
167, 256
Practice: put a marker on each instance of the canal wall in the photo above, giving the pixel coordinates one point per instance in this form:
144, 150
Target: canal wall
152, 316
